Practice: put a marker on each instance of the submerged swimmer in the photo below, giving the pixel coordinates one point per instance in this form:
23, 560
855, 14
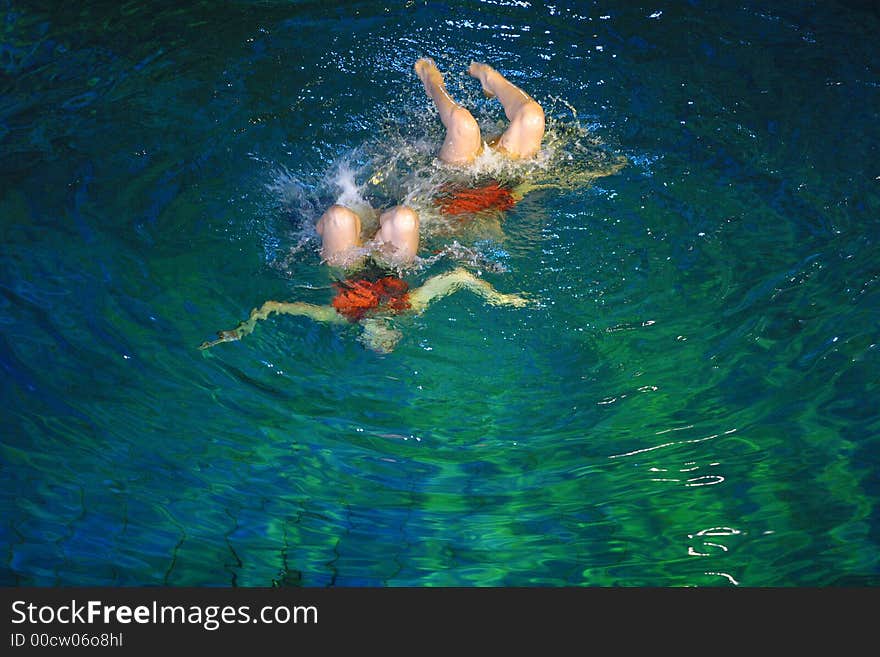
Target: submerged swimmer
370, 298
463, 142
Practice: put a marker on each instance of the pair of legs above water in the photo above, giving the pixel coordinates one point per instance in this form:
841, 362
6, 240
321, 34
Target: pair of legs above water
463, 141
395, 243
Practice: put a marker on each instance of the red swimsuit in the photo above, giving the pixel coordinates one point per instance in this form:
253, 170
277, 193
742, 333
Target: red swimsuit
355, 298
491, 196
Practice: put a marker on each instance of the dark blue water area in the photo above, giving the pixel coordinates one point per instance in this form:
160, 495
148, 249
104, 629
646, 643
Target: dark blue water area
690, 401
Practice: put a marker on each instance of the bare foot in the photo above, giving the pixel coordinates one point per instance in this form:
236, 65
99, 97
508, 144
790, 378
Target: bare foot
481, 72
428, 73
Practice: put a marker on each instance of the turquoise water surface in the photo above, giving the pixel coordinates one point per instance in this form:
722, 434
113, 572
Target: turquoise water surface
691, 400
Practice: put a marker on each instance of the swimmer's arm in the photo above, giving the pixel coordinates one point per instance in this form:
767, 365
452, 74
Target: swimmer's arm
317, 313
569, 181
440, 286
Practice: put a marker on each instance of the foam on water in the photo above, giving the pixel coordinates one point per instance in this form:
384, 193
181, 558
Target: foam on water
351, 194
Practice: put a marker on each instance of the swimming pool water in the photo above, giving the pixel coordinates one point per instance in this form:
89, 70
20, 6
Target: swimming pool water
691, 402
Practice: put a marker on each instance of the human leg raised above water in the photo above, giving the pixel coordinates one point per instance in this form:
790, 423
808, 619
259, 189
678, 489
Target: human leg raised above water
397, 239
340, 231
522, 139
463, 141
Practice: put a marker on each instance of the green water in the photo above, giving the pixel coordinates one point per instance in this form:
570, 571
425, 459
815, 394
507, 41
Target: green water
692, 402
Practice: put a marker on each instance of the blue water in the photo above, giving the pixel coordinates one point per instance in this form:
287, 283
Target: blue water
692, 401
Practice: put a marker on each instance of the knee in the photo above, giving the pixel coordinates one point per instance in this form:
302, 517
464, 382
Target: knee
464, 124
398, 236
463, 140
338, 218
531, 116
401, 219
